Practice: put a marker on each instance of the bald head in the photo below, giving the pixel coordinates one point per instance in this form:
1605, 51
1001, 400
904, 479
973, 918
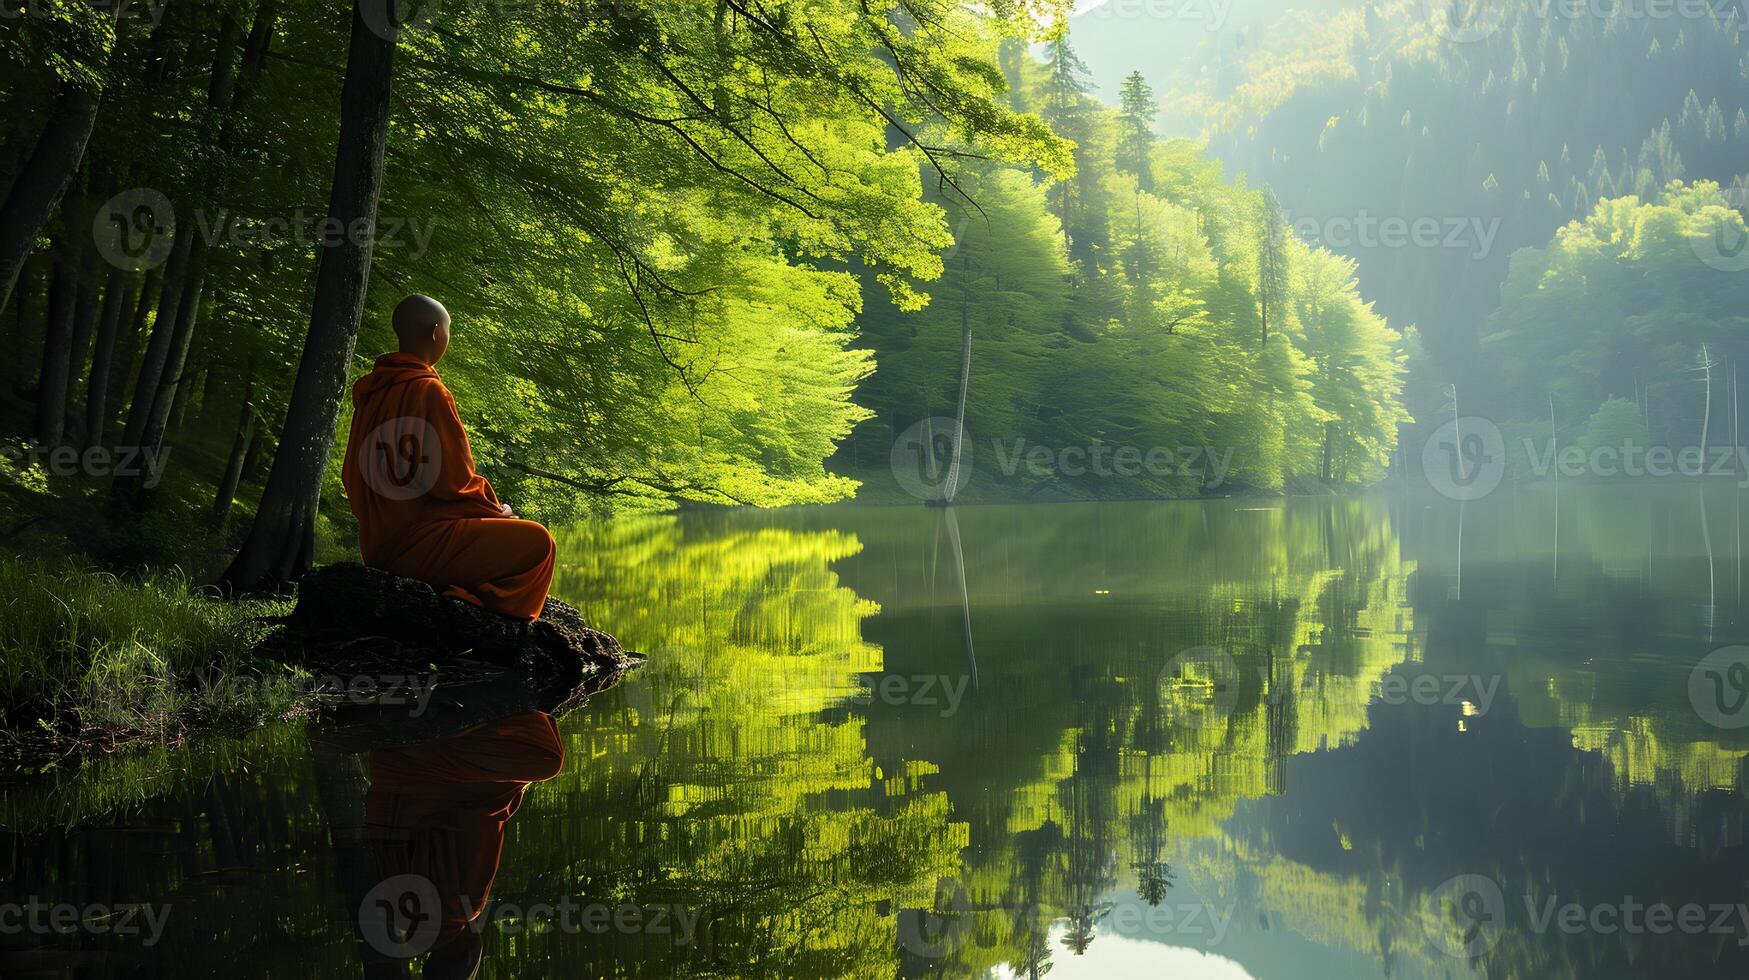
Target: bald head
422, 326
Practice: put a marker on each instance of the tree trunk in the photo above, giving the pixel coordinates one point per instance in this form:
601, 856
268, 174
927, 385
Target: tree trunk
51, 390
282, 539
1329, 438
252, 463
38, 188
179, 404
234, 467
163, 332
959, 429
85, 311
118, 296
208, 372
133, 331
187, 313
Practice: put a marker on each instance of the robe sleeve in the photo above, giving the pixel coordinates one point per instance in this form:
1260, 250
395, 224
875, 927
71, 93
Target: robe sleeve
456, 479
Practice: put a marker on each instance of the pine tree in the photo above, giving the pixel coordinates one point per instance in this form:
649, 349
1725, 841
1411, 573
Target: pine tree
1135, 141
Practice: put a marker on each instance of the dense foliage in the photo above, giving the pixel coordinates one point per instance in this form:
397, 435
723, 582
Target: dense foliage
1149, 306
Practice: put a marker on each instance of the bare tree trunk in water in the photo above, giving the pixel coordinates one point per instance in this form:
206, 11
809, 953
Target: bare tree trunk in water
959, 428
281, 541
38, 188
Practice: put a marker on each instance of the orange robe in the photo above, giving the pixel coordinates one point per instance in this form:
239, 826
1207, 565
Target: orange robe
422, 508
438, 809
423, 512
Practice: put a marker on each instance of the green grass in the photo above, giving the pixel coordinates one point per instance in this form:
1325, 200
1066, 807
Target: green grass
89, 656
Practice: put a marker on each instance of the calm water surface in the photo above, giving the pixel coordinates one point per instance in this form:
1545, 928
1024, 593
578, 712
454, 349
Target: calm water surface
1296, 739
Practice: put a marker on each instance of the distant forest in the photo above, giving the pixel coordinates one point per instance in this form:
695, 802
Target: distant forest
1525, 118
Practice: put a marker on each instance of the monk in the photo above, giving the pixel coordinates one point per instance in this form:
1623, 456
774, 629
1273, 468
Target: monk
423, 512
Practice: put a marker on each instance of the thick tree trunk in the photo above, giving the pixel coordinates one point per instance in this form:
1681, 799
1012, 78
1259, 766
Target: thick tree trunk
163, 332
118, 296
282, 539
44, 179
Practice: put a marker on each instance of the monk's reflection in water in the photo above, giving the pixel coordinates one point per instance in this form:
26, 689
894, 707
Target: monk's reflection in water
432, 835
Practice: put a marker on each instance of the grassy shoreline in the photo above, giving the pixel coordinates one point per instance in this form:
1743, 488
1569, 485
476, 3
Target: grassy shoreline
94, 660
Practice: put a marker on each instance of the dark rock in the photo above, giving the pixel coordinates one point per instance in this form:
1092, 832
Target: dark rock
352, 618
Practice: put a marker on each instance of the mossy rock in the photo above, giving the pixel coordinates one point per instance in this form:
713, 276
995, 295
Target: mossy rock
349, 617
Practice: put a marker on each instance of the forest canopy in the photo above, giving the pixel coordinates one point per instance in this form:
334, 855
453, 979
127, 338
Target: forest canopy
718, 254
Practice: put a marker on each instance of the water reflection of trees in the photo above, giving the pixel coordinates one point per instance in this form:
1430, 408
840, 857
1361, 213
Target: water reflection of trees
750, 774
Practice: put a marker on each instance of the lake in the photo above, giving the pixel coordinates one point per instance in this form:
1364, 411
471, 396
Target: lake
1307, 738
